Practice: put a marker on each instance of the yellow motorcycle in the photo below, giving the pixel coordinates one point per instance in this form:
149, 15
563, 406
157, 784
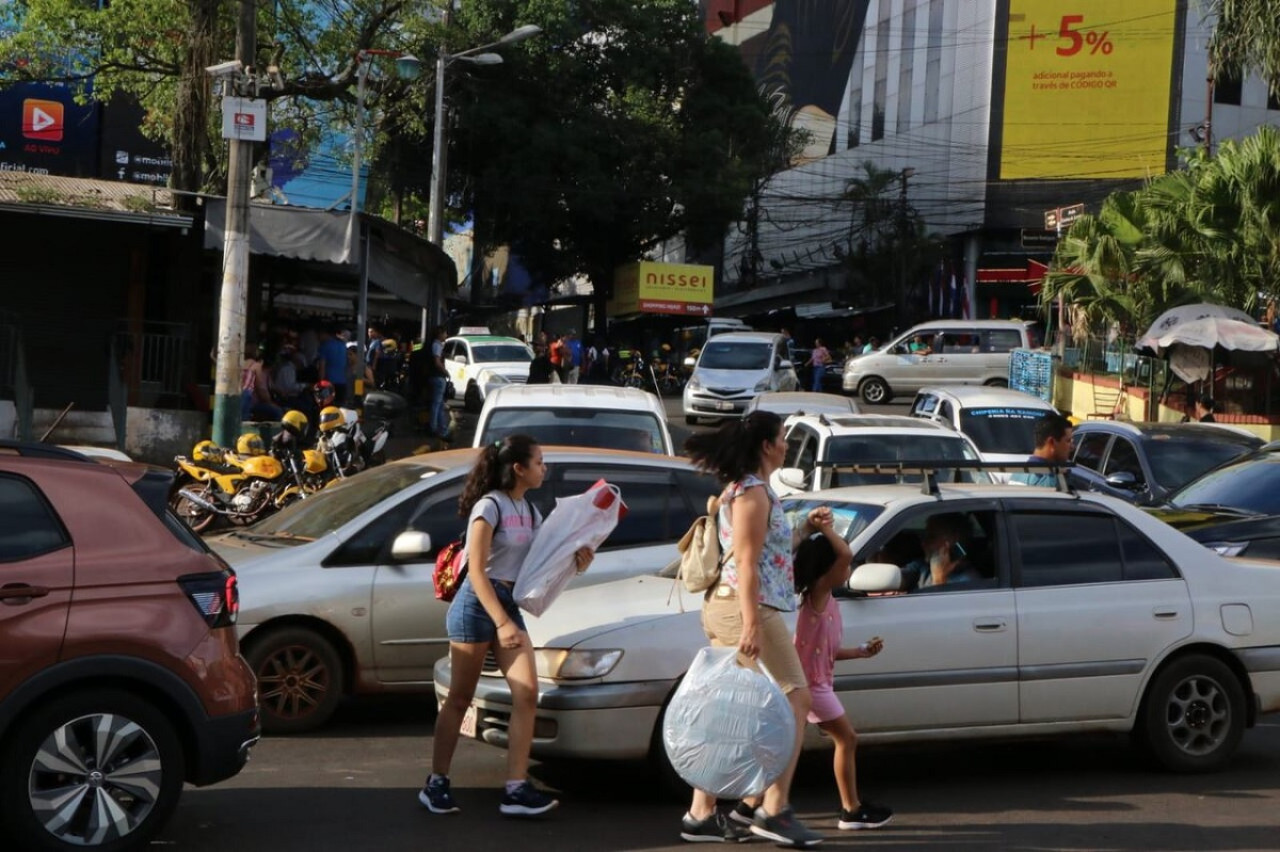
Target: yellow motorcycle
241, 486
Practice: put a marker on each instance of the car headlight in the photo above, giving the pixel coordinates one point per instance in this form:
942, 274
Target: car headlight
762, 385
1226, 548
565, 664
488, 377
693, 384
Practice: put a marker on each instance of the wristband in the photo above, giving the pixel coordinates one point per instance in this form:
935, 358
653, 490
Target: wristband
503, 624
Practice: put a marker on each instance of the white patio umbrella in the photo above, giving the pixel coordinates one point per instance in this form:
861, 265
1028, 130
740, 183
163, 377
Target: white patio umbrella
1175, 317
1190, 345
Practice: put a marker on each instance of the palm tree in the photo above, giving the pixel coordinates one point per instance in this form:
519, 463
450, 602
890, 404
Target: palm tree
1246, 38
1095, 265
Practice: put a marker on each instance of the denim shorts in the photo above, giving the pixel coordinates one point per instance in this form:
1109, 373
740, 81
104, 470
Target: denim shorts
468, 621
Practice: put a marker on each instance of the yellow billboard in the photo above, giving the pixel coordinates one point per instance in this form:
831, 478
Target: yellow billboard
648, 287
1087, 88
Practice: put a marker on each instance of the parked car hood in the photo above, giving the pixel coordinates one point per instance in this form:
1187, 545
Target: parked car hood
731, 378
588, 612
244, 546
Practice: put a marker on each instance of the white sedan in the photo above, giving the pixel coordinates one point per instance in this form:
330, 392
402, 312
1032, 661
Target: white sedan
1090, 615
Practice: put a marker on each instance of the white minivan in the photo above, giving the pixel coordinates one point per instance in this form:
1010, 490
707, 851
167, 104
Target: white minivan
941, 352
732, 369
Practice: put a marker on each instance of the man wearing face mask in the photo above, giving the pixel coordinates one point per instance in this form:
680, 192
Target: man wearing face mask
946, 543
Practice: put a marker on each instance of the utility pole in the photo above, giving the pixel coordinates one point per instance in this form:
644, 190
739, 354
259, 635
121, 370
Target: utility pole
235, 252
435, 201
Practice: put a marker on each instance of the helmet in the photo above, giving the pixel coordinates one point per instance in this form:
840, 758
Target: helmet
250, 444
330, 418
206, 451
388, 345
294, 421
666, 347
324, 393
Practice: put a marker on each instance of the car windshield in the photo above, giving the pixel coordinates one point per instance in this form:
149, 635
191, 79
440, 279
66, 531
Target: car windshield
1002, 429
1177, 462
1249, 485
578, 427
726, 355
330, 508
848, 519
489, 353
870, 449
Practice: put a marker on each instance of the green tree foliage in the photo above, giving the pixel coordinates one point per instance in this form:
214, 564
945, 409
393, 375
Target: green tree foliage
621, 125
1246, 38
1210, 232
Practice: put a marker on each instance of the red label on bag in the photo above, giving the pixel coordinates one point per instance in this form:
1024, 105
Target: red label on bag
605, 495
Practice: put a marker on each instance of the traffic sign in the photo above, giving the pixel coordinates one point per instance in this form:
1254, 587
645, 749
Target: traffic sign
1071, 213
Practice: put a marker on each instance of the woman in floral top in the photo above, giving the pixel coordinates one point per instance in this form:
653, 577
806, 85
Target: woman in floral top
745, 607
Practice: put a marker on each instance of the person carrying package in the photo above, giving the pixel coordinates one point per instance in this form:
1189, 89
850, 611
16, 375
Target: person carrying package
483, 617
744, 609
821, 565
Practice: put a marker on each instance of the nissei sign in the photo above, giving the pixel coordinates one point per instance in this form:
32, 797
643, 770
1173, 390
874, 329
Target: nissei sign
649, 287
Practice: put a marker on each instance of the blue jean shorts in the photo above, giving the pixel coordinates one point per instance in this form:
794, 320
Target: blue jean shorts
468, 620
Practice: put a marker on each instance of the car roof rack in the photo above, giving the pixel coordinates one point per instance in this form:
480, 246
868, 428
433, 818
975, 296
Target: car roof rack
929, 469
32, 449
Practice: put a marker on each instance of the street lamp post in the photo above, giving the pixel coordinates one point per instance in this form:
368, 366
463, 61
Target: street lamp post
435, 213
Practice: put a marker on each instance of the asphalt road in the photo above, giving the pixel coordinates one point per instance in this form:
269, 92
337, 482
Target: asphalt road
353, 786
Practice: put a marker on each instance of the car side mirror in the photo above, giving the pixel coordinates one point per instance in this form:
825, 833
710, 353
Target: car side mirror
411, 546
460, 359
793, 477
1123, 479
874, 577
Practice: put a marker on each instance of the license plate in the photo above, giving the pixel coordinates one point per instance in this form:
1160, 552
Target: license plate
469, 722
724, 406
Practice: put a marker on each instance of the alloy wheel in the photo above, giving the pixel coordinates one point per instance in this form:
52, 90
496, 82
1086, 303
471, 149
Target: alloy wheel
95, 779
293, 681
1198, 715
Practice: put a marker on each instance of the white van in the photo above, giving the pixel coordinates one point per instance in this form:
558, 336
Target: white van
599, 416
940, 352
732, 369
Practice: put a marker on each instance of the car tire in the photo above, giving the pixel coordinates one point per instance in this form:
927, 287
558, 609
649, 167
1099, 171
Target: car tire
996, 383
70, 731
1193, 715
300, 679
690, 420
471, 401
875, 391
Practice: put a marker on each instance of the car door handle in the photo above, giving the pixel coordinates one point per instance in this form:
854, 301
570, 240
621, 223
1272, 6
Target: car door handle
16, 594
990, 625
1165, 614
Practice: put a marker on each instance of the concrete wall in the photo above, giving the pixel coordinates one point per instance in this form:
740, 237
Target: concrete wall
152, 435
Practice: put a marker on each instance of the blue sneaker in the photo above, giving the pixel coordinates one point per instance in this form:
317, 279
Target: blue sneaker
526, 800
435, 796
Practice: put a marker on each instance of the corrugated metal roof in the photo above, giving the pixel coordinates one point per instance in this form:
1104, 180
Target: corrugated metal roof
85, 193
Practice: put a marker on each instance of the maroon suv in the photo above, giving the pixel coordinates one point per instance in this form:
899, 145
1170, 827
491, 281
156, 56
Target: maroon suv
120, 675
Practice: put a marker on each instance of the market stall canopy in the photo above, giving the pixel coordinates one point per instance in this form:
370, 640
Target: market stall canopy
399, 262
1190, 345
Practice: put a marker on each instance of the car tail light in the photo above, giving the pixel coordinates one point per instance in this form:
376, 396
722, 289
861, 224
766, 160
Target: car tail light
216, 595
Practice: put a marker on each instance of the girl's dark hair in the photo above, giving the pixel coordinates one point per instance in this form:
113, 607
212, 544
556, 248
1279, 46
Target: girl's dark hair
814, 557
495, 469
733, 450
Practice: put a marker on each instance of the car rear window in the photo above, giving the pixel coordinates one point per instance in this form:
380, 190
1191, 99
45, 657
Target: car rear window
1002, 429
578, 427
330, 508
728, 355
1175, 462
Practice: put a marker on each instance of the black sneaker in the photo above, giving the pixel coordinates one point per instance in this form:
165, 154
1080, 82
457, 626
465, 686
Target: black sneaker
743, 814
435, 796
784, 829
866, 816
526, 800
714, 829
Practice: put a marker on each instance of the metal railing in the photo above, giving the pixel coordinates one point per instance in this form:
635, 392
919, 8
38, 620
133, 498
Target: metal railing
152, 363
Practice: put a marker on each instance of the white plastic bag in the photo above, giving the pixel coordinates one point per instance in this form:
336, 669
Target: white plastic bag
583, 520
729, 730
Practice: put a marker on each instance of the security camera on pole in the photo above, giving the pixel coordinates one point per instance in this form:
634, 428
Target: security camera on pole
244, 121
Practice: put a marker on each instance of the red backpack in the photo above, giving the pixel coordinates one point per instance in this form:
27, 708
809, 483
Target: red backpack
451, 563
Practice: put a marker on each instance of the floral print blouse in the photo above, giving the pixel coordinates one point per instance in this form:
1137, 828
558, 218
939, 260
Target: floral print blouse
775, 570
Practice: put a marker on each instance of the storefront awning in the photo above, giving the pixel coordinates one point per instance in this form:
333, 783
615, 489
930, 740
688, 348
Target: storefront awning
399, 262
